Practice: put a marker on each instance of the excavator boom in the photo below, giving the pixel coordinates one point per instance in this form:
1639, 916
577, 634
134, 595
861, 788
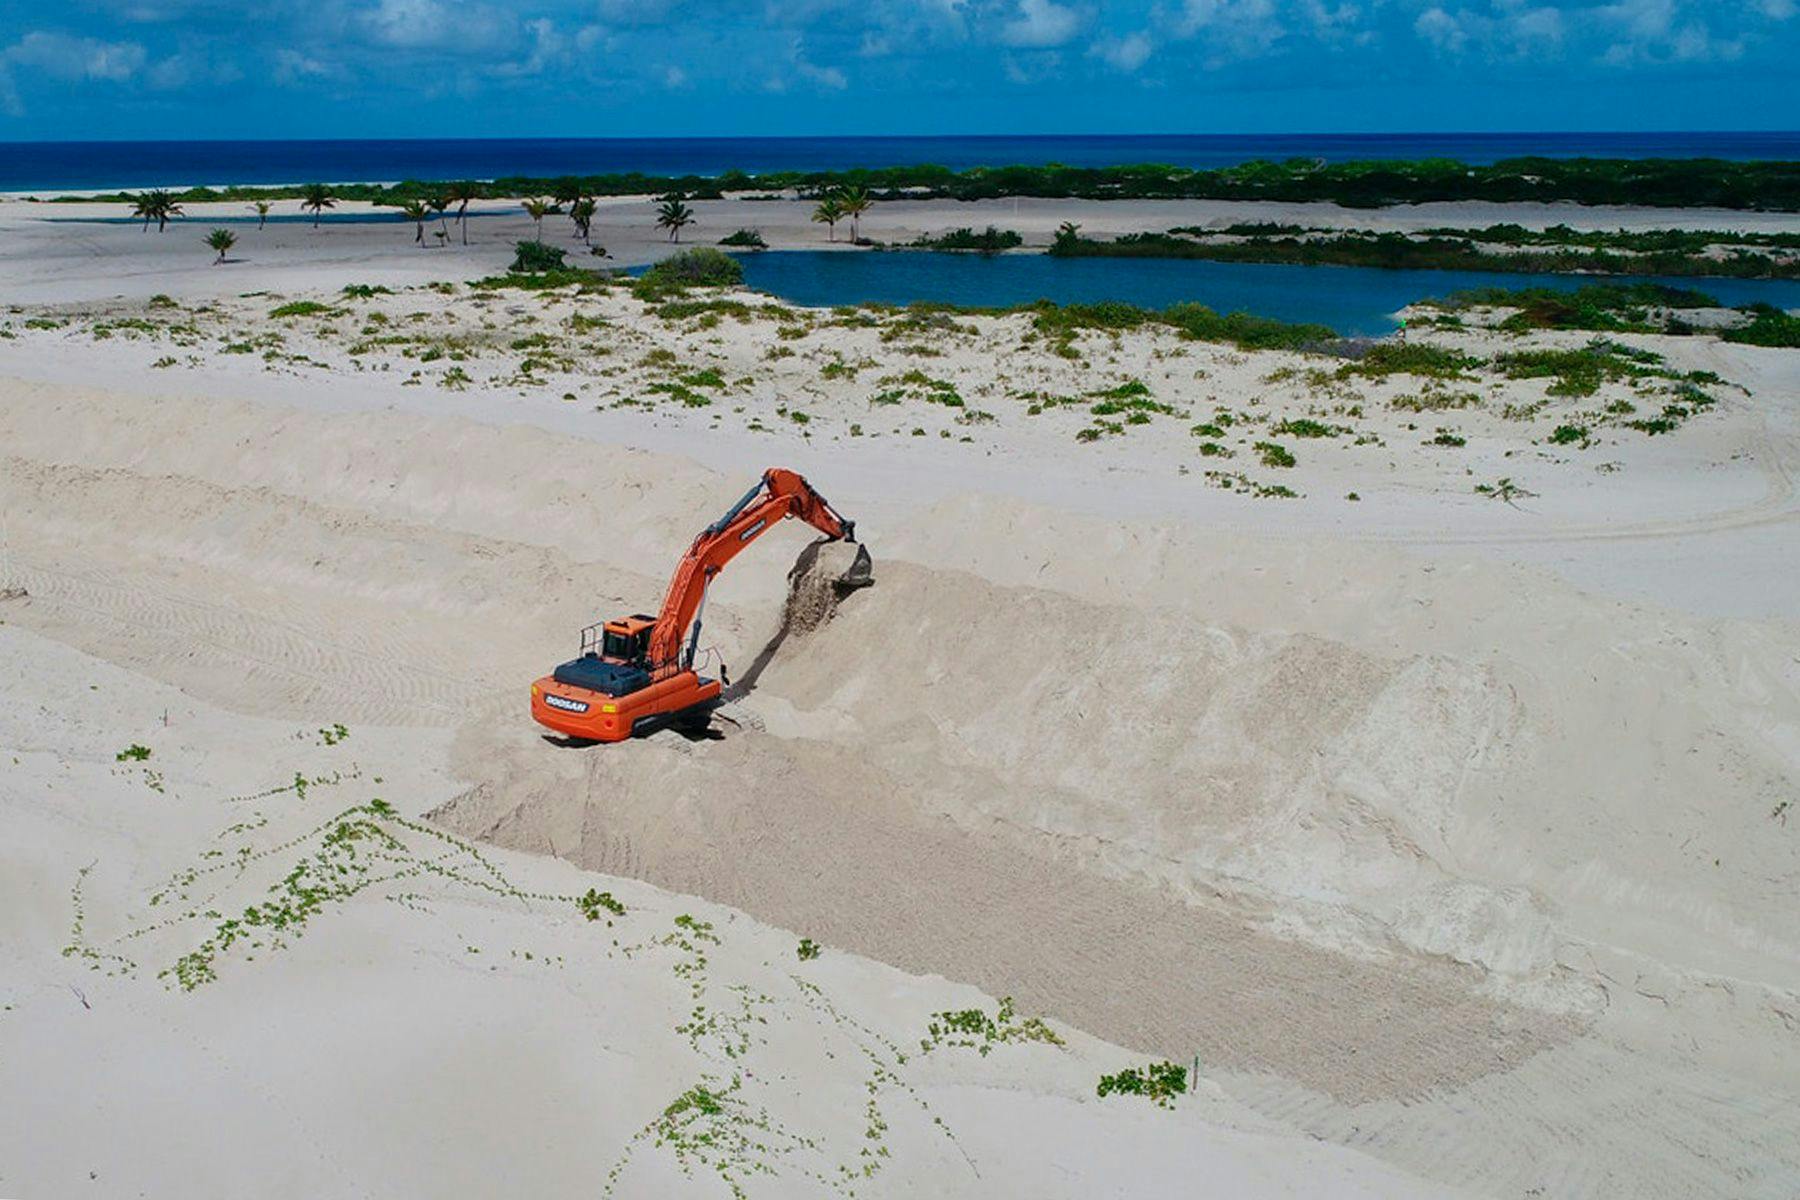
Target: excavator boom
777, 495
636, 670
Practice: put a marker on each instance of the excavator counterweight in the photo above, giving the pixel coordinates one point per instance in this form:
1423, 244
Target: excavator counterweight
635, 672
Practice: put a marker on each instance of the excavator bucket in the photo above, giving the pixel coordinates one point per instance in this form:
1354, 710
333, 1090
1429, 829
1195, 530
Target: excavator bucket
858, 573
824, 574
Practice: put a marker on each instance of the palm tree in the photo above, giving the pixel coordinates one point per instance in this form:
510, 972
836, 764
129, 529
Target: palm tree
261, 209
854, 202
538, 210
568, 190
439, 205
582, 213
416, 212
221, 240
674, 215
317, 198
158, 206
459, 194
829, 212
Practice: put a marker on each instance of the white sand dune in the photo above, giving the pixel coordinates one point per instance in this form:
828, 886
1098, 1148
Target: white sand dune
1451, 838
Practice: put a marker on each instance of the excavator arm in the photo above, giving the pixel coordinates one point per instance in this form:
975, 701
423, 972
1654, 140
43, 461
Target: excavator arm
779, 494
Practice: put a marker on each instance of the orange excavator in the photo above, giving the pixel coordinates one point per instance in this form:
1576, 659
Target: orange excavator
635, 673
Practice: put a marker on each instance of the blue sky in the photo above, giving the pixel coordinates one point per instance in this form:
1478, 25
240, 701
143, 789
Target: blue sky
403, 68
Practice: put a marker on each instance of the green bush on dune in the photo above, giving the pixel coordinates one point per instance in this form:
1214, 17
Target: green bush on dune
700, 266
535, 256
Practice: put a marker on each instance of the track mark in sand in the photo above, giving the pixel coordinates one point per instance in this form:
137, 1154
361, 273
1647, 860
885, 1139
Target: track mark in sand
128, 621
1591, 1118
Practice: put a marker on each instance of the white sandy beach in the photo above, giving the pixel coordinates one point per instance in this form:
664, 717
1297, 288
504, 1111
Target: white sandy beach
1449, 834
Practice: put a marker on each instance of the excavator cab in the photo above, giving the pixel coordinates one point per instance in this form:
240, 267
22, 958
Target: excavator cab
626, 640
615, 657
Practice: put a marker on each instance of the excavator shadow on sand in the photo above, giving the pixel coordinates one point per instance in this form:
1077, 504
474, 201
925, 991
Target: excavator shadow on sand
637, 674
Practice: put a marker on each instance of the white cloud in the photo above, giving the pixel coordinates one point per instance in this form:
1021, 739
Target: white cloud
184, 70
432, 25
1230, 29
549, 47
637, 12
291, 66
76, 58
1041, 23
1652, 31
825, 77
1441, 30
1511, 31
1126, 53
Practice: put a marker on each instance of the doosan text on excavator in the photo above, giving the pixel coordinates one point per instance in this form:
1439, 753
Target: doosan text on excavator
635, 673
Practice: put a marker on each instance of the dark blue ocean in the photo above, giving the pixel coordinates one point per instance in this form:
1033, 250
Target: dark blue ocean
25, 166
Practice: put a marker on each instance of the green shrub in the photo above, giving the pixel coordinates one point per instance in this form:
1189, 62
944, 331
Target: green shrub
1306, 427
535, 257
304, 308
1768, 326
750, 239
1565, 435
1243, 330
1411, 358
699, 266
1274, 454
544, 281
988, 241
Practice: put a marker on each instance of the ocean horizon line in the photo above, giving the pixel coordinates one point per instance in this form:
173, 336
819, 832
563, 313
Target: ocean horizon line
90, 165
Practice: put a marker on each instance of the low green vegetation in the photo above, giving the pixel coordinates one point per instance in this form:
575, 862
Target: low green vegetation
304, 308
807, 950
747, 239
1603, 308
132, 753
973, 1029
1411, 358
698, 266
1159, 1083
532, 257
1768, 326
1457, 250
1274, 454
988, 241
917, 385
1243, 485
593, 903
1503, 490
1676, 183
545, 281
1581, 371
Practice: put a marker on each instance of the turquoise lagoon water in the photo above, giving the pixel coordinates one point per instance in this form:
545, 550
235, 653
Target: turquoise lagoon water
1351, 300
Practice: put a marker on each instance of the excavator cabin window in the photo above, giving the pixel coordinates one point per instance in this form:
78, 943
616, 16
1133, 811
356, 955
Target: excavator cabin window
625, 645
